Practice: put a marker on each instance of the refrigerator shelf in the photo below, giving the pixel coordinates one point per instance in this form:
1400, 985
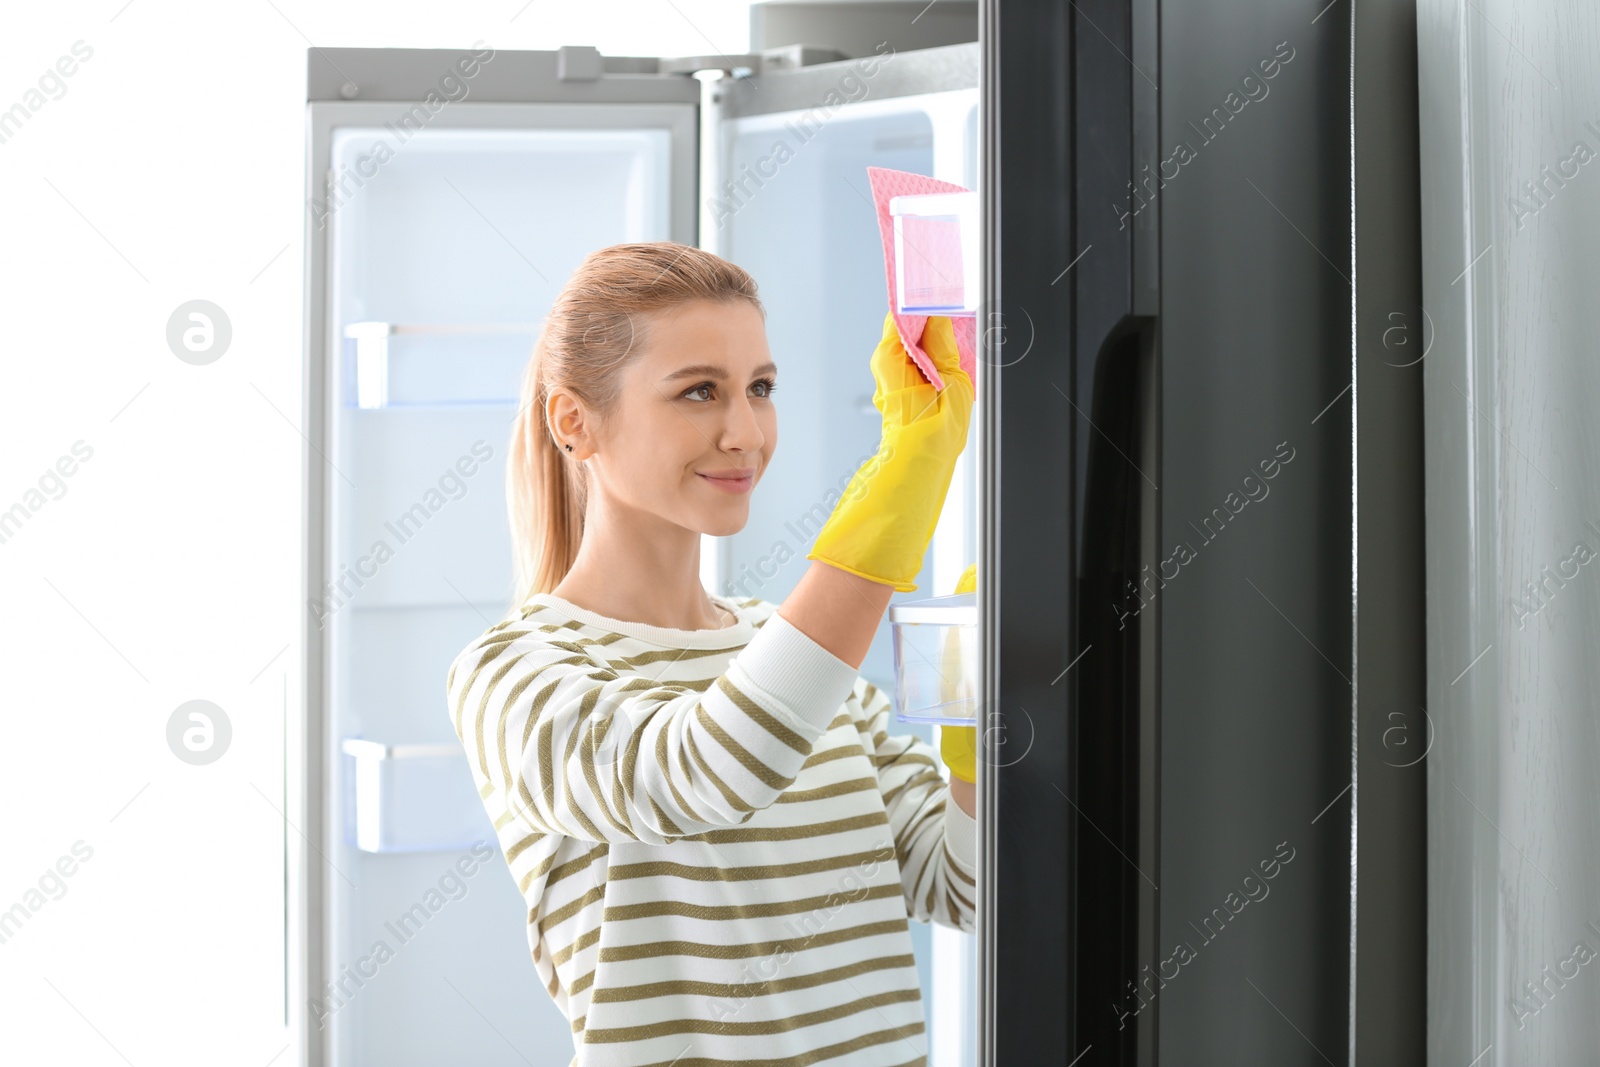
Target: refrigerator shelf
938, 265
411, 798
936, 659
374, 347
395, 329
462, 404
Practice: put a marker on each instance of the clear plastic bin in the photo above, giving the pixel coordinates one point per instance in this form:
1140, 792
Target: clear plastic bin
936, 254
411, 798
936, 659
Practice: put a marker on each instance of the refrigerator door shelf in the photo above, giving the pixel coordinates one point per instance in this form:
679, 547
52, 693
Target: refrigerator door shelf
937, 254
936, 660
411, 798
434, 363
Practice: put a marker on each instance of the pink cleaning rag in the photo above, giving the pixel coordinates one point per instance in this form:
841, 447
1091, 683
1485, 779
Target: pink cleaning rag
891, 183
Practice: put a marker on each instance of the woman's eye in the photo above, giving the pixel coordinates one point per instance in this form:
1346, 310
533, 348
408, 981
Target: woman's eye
766, 386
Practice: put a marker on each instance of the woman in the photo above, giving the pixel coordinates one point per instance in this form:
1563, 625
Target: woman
718, 839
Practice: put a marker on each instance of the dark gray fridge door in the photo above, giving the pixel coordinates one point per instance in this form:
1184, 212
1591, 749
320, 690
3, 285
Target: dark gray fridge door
1170, 519
1254, 571
1068, 791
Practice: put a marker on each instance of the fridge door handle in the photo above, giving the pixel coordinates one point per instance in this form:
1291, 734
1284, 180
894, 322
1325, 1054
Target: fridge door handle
1115, 725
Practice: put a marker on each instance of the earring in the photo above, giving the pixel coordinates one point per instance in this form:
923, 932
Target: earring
569, 448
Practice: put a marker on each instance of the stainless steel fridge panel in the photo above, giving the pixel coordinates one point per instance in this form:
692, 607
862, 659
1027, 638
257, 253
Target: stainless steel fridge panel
853, 28
823, 87
568, 75
1509, 115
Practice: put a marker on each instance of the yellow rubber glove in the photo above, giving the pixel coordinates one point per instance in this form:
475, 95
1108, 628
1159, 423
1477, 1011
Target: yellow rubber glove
958, 745
881, 527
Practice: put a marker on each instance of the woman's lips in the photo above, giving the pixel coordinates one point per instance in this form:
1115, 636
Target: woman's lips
732, 485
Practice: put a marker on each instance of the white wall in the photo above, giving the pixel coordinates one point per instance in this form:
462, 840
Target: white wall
168, 167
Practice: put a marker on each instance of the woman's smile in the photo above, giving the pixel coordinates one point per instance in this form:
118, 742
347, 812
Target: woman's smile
731, 480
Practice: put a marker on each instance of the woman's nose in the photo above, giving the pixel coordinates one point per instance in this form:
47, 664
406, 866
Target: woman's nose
742, 429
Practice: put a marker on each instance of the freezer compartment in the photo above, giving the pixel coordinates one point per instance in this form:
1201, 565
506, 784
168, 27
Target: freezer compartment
937, 254
411, 798
936, 659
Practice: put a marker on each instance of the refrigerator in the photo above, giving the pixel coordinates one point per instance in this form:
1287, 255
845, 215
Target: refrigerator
1195, 433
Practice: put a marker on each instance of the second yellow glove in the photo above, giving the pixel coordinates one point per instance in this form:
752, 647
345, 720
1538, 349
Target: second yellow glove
958, 745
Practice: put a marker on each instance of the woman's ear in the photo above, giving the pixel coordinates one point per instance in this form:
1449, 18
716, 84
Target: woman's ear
564, 420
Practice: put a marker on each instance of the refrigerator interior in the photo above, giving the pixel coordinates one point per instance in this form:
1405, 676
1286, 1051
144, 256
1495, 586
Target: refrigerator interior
471, 229
443, 259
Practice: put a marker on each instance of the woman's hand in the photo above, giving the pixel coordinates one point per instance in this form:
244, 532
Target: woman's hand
881, 527
902, 395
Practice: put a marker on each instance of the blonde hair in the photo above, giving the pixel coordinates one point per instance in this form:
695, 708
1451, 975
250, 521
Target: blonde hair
596, 328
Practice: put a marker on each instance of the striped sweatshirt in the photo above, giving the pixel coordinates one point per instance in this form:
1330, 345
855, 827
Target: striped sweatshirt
718, 839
